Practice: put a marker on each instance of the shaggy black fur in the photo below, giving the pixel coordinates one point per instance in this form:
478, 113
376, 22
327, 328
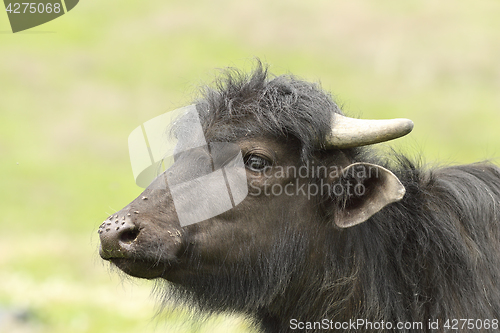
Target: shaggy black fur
435, 255
244, 105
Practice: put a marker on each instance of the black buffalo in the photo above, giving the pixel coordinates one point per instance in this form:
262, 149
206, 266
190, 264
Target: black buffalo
368, 242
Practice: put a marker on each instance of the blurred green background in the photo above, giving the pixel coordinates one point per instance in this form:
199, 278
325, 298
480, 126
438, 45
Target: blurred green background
73, 89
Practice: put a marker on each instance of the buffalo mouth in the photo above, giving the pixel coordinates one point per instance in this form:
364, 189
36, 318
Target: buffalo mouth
137, 265
142, 268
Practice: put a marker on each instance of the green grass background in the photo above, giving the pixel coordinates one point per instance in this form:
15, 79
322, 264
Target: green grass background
73, 89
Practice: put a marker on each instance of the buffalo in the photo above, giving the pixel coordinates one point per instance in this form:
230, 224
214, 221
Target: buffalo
330, 234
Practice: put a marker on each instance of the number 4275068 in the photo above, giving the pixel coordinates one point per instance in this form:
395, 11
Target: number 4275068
17, 8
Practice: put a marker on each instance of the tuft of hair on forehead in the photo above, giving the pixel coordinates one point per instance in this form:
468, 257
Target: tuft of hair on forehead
258, 103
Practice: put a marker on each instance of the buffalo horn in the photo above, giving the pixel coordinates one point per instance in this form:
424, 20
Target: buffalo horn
350, 132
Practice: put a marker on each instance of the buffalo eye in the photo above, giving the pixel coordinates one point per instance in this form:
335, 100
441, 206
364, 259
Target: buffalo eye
256, 163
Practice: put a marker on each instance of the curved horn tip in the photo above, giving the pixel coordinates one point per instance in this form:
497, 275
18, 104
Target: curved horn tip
406, 124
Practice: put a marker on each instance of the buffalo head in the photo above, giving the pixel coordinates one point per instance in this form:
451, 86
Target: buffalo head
308, 180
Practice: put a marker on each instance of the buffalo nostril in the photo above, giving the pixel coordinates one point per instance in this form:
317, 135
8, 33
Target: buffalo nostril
129, 236
116, 239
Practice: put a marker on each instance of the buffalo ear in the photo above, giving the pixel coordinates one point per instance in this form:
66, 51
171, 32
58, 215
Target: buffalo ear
372, 187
